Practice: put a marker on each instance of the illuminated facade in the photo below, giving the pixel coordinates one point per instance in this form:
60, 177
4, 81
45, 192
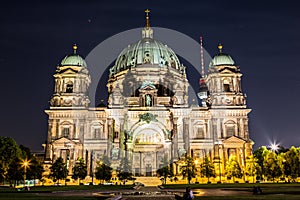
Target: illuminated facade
148, 116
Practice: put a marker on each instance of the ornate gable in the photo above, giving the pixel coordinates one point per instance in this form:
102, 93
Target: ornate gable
234, 142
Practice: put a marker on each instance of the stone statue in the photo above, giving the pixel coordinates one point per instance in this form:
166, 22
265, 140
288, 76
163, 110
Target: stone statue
148, 100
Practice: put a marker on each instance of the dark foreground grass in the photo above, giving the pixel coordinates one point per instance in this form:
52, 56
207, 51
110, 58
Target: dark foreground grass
17, 196
32, 196
68, 188
254, 197
231, 185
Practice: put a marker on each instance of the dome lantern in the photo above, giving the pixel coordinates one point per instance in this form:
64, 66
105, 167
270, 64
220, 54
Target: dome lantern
221, 58
73, 59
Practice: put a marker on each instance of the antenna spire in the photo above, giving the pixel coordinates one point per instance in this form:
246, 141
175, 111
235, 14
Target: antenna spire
202, 57
147, 11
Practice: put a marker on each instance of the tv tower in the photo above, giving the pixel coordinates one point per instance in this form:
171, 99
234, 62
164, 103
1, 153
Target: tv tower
203, 90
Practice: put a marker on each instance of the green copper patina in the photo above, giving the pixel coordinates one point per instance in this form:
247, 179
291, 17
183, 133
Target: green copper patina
147, 117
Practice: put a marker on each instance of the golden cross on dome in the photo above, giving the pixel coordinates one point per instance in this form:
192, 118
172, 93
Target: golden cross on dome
75, 48
147, 18
220, 47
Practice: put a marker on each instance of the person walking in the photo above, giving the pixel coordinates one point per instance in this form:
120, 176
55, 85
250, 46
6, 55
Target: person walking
188, 195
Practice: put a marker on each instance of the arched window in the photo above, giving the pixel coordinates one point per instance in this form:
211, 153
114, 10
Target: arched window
199, 132
69, 88
230, 128
97, 131
66, 132
226, 85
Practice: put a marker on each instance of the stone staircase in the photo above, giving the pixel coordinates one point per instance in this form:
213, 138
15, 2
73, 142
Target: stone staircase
149, 181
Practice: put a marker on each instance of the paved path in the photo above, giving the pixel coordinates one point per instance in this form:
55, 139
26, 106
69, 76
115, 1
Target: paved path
149, 198
151, 193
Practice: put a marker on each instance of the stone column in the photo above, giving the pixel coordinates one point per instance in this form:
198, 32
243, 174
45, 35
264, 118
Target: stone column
186, 135
110, 135
175, 138
48, 146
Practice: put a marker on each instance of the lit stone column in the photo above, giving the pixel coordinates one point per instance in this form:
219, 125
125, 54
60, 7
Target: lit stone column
242, 131
175, 138
219, 131
186, 135
110, 136
48, 146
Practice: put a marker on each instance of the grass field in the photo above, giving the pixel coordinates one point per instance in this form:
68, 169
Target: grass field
67, 188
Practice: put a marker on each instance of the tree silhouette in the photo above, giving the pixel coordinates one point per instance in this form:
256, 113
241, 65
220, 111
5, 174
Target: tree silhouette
165, 170
189, 170
124, 171
103, 170
9, 152
79, 170
207, 169
58, 170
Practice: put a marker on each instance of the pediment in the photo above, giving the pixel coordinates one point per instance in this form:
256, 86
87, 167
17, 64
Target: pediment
234, 139
70, 71
63, 141
226, 71
148, 87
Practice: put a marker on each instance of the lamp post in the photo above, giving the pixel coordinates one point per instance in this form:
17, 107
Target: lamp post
25, 164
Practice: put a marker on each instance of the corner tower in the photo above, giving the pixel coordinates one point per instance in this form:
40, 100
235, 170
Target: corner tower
68, 109
229, 112
72, 80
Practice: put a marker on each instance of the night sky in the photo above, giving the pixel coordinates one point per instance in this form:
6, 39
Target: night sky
261, 36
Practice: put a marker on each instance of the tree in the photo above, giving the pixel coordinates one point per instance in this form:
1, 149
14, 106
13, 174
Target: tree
233, 169
79, 170
189, 170
15, 172
207, 169
165, 171
35, 171
2, 173
58, 170
9, 152
259, 155
292, 163
272, 168
124, 172
252, 167
103, 170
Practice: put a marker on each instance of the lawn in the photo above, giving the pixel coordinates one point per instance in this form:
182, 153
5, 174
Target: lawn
254, 197
271, 191
32, 196
68, 188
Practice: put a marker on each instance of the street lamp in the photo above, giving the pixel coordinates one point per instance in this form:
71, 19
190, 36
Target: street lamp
25, 164
274, 147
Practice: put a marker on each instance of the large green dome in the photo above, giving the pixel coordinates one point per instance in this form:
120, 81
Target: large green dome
221, 59
146, 51
73, 60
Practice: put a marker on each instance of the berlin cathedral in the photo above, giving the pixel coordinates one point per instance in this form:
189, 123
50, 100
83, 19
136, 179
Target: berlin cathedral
148, 118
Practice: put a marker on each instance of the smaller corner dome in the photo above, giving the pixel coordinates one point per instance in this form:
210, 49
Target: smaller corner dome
221, 59
73, 59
